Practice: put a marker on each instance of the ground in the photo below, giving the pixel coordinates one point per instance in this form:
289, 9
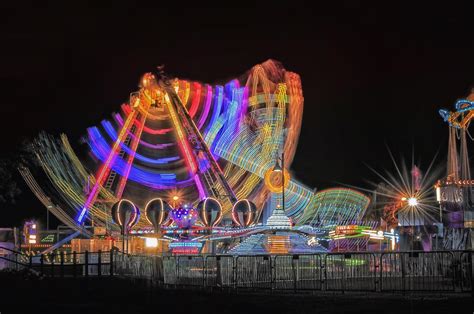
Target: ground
29, 294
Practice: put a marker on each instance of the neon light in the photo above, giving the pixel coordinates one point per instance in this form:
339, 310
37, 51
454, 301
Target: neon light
135, 214
106, 167
204, 212
215, 112
248, 212
202, 192
148, 130
196, 99
161, 218
131, 156
107, 125
245, 124
97, 140
150, 179
207, 107
183, 143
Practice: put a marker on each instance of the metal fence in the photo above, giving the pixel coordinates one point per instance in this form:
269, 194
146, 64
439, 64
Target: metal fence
417, 271
62, 264
358, 271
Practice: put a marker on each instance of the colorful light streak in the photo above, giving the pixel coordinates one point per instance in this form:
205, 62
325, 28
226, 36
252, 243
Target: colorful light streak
154, 180
207, 107
243, 124
127, 110
108, 126
104, 171
131, 156
196, 99
95, 133
182, 140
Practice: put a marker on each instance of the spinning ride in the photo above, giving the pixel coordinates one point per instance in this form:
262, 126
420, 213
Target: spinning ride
177, 137
181, 143
455, 192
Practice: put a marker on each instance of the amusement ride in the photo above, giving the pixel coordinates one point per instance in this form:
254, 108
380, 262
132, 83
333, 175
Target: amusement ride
455, 192
193, 168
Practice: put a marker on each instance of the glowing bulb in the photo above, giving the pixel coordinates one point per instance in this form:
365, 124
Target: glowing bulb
151, 242
175, 198
412, 201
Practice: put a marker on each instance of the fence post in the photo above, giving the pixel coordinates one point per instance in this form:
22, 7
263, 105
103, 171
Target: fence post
51, 256
343, 283
61, 270
16, 262
234, 270
272, 273
177, 272
376, 267
381, 272
324, 274
86, 262
204, 266
99, 262
470, 271
111, 262
295, 271
402, 257
457, 260
74, 268
218, 272
41, 263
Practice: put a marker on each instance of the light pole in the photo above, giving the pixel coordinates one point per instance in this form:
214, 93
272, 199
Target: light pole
281, 169
412, 204
47, 216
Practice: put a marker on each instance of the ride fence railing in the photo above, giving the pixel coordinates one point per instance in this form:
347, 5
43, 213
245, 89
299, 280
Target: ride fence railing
357, 271
61, 264
442, 271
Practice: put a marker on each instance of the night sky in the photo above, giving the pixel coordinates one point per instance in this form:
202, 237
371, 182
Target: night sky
372, 76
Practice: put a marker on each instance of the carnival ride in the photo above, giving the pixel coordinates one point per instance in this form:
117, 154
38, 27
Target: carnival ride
455, 191
459, 122
207, 150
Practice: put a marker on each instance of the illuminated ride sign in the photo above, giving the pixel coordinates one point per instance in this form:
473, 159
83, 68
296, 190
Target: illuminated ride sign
356, 231
348, 230
185, 247
48, 238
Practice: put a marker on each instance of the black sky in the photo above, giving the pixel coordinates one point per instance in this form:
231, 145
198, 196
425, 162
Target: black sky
371, 74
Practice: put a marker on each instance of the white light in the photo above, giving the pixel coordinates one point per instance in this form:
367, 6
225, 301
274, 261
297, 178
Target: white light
151, 242
33, 226
412, 201
312, 241
32, 236
32, 241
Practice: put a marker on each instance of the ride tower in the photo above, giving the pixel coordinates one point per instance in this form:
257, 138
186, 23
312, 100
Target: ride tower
455, 191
